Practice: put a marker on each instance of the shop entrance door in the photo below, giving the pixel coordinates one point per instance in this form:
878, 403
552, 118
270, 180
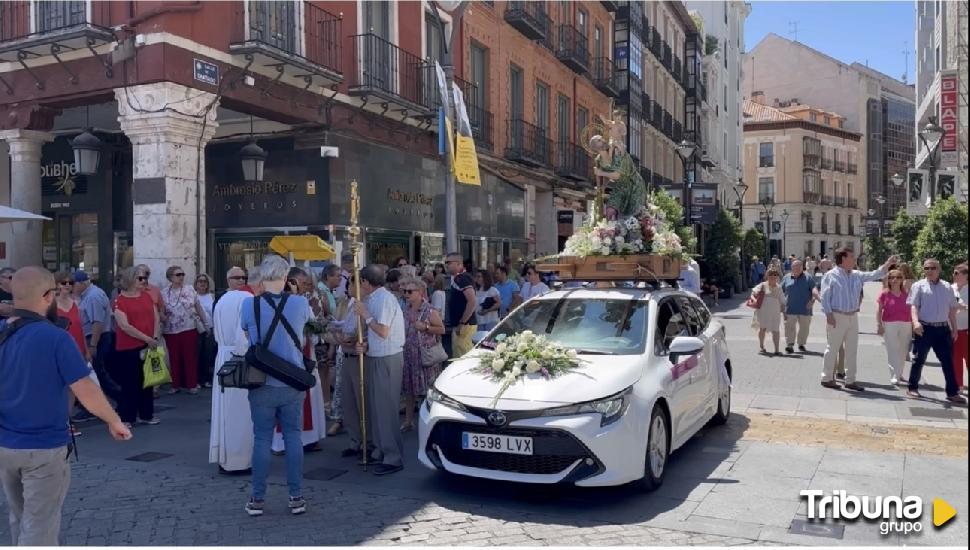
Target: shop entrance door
70, 241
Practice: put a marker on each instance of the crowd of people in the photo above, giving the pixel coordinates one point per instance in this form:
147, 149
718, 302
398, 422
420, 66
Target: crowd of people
911, 316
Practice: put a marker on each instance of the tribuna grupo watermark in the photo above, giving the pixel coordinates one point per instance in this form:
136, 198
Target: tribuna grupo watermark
902, 515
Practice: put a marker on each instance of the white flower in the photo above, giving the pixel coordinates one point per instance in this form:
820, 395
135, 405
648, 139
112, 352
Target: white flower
500, 349
571, 353
526, 334
516, 371
532, 367
605, 250
620, 239
498, 365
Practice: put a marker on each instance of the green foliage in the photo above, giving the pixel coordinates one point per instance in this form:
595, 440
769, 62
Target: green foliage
876, 250
944, 236
904, 231
711, 44
754, 245
674, 214
721, 252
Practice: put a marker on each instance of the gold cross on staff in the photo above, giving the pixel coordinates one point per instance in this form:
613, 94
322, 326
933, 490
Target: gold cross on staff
354, 203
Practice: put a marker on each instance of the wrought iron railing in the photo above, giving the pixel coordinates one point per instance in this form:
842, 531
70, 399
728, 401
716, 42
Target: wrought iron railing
658, 116
827, 200
573, 48
810, 197
678, 134
839, 201
676, 69
853, 168
482, 126
853, 203
826, 163
530, 18
604, 75
667, 56
384, 67
573, 161
656, 44
528, 142
50, 17
668, 124
275, 25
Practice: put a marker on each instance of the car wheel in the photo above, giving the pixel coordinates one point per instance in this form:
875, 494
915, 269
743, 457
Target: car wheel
658, 449
723, 408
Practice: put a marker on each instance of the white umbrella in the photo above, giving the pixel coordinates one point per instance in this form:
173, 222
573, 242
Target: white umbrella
8, 214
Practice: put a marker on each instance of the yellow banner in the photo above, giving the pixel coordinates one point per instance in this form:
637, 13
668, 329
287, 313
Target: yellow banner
466, 162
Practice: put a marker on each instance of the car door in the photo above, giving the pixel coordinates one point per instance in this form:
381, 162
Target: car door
703, 380
676, 377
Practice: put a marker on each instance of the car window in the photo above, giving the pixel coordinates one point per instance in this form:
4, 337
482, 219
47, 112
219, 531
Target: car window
703, 313
614, 326
670, 324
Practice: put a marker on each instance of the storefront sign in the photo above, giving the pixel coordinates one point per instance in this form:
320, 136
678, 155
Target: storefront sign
703, 203
948, 114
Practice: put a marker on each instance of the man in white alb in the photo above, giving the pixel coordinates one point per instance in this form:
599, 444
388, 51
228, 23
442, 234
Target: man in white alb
231, 432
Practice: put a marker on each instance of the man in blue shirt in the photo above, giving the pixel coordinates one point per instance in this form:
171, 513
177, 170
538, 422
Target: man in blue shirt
508, 290
800, 294
276, 400
39, 362
95, 310
757, 271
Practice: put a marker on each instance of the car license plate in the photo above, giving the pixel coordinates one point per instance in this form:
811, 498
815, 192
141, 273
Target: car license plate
490, 443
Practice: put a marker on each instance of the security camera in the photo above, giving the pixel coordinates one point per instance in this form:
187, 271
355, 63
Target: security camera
327, 151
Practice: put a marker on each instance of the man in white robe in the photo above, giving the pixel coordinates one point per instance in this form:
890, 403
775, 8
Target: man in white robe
231, 434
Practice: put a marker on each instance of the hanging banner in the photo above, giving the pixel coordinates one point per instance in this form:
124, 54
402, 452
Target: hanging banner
442, 86
466, 158
945, 184
948, 119
917, 192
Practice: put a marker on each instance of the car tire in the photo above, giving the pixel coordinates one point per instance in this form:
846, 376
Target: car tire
658, 450
720, 418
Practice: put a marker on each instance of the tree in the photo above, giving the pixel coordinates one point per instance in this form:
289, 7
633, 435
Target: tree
754, 245
905, 230
722, 249
944, 235
876, 250
674, 214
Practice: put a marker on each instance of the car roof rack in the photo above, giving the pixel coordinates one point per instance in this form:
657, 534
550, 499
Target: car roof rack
622, 283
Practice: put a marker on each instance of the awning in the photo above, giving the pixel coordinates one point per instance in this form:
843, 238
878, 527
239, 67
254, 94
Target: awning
8, 214
302, 247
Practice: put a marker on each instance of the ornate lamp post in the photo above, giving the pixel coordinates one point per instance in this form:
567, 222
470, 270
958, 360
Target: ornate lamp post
740, 188
930, 135
768, 210
784, 230
686, 150
881, 200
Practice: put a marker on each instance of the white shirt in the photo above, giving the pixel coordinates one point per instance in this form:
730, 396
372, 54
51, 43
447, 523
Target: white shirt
384, 308
530, 291
491, 317
691, 278
438, 298
207, 301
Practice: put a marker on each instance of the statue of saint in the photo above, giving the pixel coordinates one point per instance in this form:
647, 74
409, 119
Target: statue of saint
612, 163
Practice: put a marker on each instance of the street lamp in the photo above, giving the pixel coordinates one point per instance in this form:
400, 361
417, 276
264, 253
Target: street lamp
768, 210
930, 135
784, 230
253, 158
740, 188
881, 200
686, 150
87, 153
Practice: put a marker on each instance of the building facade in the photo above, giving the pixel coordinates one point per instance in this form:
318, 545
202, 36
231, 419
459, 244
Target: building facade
941, 86
722, 27
805, 192
174, 91
868, 100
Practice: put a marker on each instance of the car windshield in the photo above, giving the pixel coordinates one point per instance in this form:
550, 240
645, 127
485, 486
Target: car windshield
602, 327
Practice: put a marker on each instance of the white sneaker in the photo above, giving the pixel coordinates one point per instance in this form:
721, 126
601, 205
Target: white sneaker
894, 381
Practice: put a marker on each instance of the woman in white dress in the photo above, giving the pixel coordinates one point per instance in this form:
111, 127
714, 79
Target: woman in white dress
231, 435
768, 316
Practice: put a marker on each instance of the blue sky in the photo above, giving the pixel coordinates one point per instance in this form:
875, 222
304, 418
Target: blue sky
848, 31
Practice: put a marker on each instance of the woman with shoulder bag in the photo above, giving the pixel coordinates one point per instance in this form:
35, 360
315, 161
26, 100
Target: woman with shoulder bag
423, 328
769, 301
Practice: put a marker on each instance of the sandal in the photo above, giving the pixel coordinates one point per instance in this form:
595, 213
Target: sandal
335, 428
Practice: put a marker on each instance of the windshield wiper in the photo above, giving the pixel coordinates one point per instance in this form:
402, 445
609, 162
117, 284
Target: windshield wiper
593, 352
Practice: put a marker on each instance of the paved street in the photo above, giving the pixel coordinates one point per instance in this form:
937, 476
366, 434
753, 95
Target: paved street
729, 486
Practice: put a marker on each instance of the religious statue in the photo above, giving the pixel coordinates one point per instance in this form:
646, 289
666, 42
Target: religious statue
612, 163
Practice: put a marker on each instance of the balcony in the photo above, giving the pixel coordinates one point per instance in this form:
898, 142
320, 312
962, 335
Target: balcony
431, 94
809, 197
853, 203
529, 18
677, 68
827, 200
853, 168
678, 133
838, 229
655, 43
390, 75
667, 56
658, 180
840, 166
482, 127
668, 125
646, 175
604, 76
573, 49
573, 162
825, 228
647, 102
610, 6
268, 34
826, 163
39, 29
657, 120
839, 201
528, 144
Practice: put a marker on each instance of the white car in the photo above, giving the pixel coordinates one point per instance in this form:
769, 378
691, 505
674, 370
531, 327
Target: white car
655, 370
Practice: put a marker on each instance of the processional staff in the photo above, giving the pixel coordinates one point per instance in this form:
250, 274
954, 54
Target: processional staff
355, 247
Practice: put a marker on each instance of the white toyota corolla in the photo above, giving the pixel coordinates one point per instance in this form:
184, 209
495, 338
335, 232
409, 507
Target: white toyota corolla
655, 370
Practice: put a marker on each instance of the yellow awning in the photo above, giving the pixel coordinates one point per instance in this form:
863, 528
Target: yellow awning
303, 247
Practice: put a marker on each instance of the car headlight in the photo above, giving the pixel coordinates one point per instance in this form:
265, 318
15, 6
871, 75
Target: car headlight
435, 396
610, 408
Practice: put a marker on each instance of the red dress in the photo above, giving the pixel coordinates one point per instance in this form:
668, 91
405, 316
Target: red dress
73, 317
140, 312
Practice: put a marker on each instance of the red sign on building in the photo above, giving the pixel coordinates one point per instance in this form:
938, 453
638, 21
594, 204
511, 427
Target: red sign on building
948, 112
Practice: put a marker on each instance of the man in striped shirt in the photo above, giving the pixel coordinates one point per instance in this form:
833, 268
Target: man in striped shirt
841, 297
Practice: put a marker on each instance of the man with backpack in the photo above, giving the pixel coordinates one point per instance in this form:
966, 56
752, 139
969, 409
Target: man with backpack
38, 363
277, 325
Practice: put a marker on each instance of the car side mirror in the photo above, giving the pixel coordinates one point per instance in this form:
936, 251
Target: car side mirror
684, 346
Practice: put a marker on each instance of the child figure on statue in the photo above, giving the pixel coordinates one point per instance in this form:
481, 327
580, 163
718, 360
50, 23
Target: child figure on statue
628, 192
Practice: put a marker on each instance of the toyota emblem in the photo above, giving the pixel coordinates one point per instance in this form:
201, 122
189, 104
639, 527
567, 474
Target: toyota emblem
497, 419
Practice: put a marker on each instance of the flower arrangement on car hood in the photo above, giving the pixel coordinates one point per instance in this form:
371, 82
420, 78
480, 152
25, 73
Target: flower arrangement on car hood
646, 232
525, 354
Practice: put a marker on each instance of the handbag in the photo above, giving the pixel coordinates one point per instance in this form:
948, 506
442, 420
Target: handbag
259, 356
433, 354
754, 302
154, 369
238, 373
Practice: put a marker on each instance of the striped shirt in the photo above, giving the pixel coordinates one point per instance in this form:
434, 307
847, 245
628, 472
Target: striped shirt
842, 290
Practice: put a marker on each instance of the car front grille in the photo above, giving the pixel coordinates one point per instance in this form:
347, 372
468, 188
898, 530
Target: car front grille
553, 450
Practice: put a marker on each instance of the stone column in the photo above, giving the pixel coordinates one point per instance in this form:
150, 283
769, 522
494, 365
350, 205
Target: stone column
169, 126
24, 246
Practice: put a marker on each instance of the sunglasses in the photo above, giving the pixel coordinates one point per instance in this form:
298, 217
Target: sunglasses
179, 275
67, 283
930, 268
409, 290
237, 278
142, 279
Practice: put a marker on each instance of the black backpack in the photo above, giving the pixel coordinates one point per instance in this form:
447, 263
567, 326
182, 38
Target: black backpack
298, 377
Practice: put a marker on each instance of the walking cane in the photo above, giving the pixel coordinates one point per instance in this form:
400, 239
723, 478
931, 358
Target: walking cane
355, 247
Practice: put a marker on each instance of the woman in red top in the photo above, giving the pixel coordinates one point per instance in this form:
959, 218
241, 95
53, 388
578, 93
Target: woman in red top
68, 311
894, 324
136, 319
